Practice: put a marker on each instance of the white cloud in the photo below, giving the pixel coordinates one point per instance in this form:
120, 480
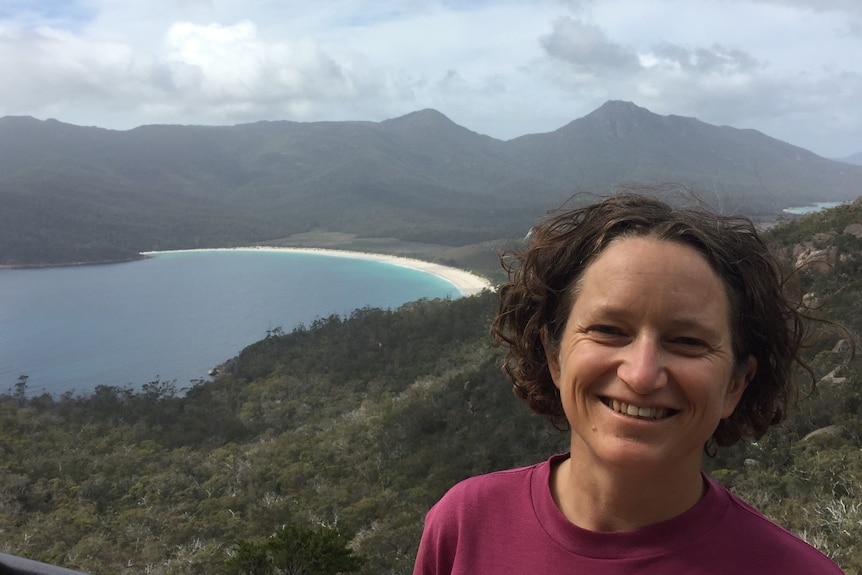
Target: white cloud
715, 60
587, 49
216, 64
46, 67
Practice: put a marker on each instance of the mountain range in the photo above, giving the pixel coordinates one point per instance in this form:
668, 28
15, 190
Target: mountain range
84, 194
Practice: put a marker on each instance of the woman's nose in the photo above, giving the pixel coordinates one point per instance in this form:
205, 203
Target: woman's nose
642, 367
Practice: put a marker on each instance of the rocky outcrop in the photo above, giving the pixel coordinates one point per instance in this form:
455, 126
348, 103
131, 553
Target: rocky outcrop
854, 230
832, 378
828, 431
810, 301
842, 346
809, 257
223, 368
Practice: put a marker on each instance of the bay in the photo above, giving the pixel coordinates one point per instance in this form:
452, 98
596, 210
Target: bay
177, 314
816, 207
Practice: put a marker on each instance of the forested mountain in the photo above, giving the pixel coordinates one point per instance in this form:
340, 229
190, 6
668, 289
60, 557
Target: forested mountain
854, 159
83, 194
360, 423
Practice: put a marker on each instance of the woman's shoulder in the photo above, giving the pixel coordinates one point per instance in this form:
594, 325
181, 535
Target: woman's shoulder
479, 497
492, 485
481, 521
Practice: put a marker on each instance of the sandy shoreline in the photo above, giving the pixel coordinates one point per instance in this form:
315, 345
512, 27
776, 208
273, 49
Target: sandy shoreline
465, 282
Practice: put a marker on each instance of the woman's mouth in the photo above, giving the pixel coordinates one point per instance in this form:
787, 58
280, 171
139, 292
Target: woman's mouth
637, 411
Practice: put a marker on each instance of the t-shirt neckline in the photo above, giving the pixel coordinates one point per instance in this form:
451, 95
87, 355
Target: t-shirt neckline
656, 539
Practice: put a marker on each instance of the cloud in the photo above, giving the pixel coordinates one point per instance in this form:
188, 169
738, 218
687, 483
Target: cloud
586, 48
666, 77
846, 6
217, 63
41, 67
716, 60
235, 74
210, 73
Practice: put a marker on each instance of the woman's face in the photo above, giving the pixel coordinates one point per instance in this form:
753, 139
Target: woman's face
645, 366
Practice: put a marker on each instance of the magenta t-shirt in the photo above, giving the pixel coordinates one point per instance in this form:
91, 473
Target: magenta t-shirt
507, 523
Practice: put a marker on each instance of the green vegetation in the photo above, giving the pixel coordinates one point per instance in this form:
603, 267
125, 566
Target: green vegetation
295, 550
342, 433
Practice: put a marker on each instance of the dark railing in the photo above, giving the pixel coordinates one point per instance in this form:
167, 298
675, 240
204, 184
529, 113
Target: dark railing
11, 565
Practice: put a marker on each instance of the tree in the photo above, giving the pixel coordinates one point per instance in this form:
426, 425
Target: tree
295, 550
249, 558
21, 388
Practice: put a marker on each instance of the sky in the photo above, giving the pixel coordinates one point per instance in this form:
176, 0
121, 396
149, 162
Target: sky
789, 68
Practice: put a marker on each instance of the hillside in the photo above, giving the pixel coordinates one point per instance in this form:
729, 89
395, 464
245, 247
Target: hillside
737, 171
362, 422
82, 194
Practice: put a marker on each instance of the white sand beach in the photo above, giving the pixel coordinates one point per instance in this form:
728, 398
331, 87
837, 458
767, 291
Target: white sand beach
465, 282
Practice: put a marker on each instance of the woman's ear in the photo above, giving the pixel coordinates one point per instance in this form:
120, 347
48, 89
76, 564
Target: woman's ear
738, 383
551, 357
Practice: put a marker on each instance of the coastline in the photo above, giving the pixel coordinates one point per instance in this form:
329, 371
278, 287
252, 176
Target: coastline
467, 283
70, 264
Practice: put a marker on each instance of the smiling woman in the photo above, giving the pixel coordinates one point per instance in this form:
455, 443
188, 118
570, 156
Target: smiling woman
649, 332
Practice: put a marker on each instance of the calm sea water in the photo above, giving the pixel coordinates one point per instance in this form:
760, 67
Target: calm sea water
177, 315
818, 206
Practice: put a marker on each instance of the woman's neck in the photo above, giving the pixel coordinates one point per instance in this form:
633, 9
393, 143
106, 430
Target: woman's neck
605, 500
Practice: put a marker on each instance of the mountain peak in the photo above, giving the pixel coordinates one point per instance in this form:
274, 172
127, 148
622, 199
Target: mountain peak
19, 121
615, 119
619, 110
620, 106
426, 117
429, 122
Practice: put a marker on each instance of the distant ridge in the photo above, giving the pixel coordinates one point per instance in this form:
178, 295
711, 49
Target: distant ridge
77, 194
854, 159
747, 171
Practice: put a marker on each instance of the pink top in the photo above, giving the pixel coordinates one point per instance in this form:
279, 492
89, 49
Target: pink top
507, 523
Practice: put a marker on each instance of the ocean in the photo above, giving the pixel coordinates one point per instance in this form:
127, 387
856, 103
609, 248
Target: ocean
816, 207
176, 315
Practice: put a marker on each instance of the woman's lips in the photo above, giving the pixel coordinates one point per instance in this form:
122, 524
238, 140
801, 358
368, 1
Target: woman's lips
639, 412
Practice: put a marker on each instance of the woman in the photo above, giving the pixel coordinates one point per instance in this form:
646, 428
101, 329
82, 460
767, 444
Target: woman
649, 332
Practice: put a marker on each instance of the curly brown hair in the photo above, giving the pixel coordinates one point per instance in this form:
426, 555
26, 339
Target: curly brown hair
536, 301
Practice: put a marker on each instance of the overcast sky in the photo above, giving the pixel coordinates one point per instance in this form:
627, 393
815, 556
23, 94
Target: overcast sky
790, 68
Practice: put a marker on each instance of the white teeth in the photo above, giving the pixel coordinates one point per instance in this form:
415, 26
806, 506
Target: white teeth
635, 411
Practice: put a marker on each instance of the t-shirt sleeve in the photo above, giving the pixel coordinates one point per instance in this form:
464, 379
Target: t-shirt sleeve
439, 541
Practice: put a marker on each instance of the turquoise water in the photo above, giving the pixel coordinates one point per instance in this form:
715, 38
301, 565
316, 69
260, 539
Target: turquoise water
818, 206
176, 315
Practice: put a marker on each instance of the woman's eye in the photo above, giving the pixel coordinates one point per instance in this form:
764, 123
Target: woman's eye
689, 342
606, 330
